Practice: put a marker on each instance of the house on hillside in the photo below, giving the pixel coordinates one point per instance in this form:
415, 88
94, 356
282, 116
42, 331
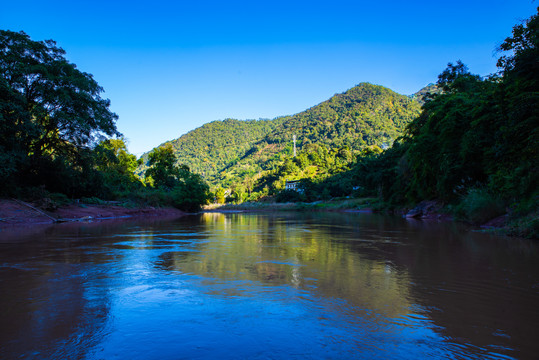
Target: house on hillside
292, 185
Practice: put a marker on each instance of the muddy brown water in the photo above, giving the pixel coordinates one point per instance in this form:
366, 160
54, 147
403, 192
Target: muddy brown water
270, 286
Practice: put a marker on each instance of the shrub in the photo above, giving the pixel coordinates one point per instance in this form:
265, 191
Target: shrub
59, 199
92, 201
479, 205
288, 195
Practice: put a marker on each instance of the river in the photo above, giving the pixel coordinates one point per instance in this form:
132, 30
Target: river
267, 286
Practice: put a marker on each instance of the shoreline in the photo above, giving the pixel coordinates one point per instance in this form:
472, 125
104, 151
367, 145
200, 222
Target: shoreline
424, 211
14, 213
346, 205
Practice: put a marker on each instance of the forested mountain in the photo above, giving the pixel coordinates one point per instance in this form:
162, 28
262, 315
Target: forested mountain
341, 127
227, 153
428, 91
212, 147
364, 115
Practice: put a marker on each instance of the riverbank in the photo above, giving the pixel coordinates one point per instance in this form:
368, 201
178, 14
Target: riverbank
18, 213
347, 205
428, 210
15, 213
524, 226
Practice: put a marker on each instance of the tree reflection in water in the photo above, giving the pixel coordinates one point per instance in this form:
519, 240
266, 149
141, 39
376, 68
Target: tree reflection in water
314, 285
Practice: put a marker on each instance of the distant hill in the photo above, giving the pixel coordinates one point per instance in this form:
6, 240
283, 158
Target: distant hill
228, 151
421, 95
362, 116
218, 144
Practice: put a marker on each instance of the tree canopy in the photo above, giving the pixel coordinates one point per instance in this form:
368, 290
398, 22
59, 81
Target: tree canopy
49, 108
475, 145
188, 191
163, 171
63, 102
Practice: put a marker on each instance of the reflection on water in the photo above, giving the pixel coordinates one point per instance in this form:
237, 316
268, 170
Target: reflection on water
291, 252
267, 286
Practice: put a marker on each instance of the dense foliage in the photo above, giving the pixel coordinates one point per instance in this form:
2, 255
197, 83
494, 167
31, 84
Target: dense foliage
475, 144
217, 145
330, 137
364, 115
187, 190
254, 158
50, 113
117, 166
54, 127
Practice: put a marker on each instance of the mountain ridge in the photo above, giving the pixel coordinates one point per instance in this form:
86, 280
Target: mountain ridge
225, 151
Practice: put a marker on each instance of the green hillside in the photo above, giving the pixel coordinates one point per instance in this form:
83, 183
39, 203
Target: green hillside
217, 145
364, 115
231, 153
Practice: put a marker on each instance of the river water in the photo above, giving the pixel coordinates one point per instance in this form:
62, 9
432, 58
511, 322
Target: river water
271, 286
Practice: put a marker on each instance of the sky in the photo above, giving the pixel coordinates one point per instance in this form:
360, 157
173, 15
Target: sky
169, 67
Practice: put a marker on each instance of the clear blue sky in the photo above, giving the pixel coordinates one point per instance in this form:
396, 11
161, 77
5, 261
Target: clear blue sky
171, 66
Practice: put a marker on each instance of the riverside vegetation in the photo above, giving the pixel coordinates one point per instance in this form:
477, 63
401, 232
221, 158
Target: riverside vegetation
58, 138
468, 142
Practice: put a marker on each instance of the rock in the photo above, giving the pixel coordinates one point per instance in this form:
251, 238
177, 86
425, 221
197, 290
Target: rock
414, 213
425, 209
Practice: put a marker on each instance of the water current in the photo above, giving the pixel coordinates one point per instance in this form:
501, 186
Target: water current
267, 286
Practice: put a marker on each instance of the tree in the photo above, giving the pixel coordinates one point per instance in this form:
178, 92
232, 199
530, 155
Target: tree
49, 108
187, 191
62, 100
190, 192
220, 195
524, 50
163, 171
112, 154
456, 78
16, 131
517, 169
450, 140
117, 165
